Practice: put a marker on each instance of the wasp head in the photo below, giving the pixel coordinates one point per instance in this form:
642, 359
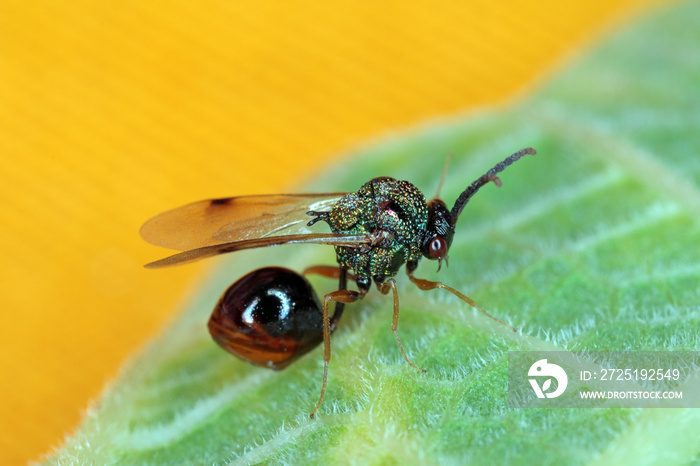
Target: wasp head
438, 233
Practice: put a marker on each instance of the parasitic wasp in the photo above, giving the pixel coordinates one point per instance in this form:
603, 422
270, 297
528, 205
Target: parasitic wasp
272, 316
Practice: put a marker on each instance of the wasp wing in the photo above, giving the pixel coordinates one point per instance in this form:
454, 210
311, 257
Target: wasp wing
221, 221
215, 250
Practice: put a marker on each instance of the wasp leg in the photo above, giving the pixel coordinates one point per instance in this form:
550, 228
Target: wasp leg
385, 287
431, 285
325, 216
327, 271
342, 275
339, 296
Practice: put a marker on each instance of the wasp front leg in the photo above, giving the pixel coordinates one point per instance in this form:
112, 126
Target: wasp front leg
431, 285
384, 289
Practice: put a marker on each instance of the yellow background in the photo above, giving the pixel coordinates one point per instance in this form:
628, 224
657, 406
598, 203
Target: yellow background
111, 111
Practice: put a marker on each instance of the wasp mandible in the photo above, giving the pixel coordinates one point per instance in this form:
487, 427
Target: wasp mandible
272, 316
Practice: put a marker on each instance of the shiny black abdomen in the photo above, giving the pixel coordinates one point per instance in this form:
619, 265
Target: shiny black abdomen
269, 317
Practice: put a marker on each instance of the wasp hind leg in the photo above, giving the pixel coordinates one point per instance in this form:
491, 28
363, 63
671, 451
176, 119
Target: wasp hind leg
384, 289
340, 273
341, 297
328, 271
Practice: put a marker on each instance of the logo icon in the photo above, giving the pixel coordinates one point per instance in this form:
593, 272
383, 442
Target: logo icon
542, 368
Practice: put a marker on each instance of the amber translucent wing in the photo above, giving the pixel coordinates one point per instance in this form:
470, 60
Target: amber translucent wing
234, 219
215, 250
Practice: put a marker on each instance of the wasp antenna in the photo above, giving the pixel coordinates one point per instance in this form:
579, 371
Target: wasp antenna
444, 175
483, 179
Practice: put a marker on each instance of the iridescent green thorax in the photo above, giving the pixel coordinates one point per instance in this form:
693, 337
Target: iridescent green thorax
395, 212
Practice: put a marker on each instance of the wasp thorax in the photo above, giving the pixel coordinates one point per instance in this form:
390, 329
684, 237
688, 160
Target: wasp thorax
393, 214
439, 231
270, 317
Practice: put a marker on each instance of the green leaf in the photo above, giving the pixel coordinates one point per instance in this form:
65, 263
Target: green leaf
590, 245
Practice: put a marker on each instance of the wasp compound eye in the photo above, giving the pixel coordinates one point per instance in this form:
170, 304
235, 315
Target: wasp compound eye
438, 248
270, 317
